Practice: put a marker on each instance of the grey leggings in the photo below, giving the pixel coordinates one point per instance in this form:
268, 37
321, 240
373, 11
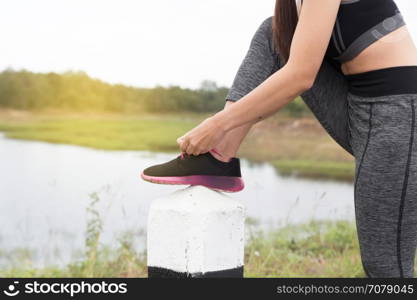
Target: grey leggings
379, 133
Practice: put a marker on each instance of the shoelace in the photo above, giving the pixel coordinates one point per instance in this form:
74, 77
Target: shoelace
183, 154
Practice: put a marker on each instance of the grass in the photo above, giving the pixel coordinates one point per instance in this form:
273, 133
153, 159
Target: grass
316, 249
146, 133
342, 171
294, 146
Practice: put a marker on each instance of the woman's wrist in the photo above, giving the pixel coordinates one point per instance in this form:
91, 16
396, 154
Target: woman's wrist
221, 119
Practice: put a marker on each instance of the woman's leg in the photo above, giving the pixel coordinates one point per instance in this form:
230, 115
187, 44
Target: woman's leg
385, 147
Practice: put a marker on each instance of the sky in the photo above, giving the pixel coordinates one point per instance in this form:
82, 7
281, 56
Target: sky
141, 43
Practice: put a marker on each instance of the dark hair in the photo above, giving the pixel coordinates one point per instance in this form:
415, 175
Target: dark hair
283, 26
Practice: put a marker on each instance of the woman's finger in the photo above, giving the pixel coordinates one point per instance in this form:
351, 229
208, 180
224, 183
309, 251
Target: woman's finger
184, 144
196, 151
190, 148
201, 150
180, 140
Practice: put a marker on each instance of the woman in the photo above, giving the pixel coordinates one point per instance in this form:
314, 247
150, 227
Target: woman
355, 65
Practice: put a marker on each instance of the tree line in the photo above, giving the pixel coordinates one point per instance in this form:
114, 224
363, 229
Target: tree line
76, 91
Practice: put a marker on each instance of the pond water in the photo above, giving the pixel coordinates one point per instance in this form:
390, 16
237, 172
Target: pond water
45, 188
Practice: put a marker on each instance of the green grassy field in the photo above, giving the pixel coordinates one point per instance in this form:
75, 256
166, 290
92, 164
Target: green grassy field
343, 171
109, 133
294, 146
316, 249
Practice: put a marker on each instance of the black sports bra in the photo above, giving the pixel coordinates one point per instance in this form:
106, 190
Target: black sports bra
359, 24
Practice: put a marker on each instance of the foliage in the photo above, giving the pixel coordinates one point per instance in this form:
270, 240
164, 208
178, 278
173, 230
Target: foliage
76, 91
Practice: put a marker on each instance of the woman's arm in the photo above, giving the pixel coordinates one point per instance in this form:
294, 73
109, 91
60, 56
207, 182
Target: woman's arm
311, 39
309, 45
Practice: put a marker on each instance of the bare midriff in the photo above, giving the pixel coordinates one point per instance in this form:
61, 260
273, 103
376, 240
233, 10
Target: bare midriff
393, 50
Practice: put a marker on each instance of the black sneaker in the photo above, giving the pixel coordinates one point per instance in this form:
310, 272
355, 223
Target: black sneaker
203, 170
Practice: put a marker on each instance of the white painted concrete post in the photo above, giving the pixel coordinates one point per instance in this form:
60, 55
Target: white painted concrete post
196, 232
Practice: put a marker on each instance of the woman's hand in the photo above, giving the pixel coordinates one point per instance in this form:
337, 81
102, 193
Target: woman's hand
202, 138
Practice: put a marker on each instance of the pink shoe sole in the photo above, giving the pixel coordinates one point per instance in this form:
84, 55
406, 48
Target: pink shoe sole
219, 183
